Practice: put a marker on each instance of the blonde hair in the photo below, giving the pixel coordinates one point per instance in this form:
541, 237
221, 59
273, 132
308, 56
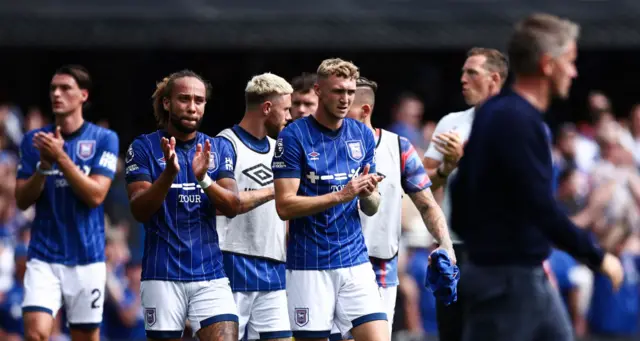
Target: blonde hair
339, 68
262, 87
536, 35
164, 89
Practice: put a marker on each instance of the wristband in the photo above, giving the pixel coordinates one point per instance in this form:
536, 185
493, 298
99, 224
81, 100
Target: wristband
441, 174
206, 182
44, 171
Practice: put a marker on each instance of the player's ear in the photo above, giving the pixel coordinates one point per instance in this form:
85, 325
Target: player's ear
366, 110
85, 94
166, 103
265, 107
546, 64
316, 89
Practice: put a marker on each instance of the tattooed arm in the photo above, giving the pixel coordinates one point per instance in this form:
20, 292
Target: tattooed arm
252, 199
369, 205
434, 219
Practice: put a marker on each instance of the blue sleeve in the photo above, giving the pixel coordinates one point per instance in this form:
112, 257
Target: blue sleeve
228, 158
137, 163
521, 145
29, 157
370, 148
106, 162
287, 158
414, 177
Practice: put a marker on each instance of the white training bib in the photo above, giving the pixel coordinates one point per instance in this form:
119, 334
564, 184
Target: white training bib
259, 232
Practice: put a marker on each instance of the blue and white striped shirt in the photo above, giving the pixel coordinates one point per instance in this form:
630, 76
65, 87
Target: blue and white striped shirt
181, 242
65, 229
325, 161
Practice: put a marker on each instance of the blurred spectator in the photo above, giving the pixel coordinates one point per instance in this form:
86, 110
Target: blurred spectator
427, 132
123, 317
616, 315
11, 122
419, 247
35, 119
634, 127
615, 165
407, 120
11, 327
567, 273
599, 110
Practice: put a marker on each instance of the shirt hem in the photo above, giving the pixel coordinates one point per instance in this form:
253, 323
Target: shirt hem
328, 267
193, 279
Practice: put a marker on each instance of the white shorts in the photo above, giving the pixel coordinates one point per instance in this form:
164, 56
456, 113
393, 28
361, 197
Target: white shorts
318, 298
81, 288
264, 314
167, 305
389, 295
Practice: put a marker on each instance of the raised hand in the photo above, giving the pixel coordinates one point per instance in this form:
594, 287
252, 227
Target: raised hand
371, 182
201, 160
170, 157
451, 146
362, 185
51, 146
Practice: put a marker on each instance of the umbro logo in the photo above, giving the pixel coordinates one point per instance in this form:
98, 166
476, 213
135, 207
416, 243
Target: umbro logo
259, 173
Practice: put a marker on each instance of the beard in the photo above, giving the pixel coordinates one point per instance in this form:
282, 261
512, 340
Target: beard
273, 130
176, 122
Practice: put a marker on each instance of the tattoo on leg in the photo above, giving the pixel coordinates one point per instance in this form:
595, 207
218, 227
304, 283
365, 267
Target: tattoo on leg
224, 331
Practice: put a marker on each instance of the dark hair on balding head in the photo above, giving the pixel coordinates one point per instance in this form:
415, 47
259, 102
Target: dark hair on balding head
364, 82
77, 72
304, 83
164, 90
495, 61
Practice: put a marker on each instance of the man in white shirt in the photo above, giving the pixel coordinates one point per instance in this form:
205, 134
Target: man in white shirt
483, 75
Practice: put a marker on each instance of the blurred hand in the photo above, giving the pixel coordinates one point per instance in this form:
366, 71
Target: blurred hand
612, 268
451, 146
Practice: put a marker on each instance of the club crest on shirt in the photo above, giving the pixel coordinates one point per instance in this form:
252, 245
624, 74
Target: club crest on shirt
302, 316
130, 155
86, 149
355, 150
279, 148
213, 162
150, 316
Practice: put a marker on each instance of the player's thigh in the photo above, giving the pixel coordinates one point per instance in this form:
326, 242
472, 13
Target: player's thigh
42, 299
212, 309
389, 296
83, 291
270, 317
165, 309
244, 303
311, 298
359, 307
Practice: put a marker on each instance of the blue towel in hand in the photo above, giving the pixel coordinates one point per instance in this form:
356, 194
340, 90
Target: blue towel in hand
442, 277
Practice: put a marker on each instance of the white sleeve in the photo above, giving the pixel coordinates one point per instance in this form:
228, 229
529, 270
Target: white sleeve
441, 127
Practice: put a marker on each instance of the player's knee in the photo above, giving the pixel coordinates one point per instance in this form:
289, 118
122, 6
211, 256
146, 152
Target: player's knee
36, 334
37, 326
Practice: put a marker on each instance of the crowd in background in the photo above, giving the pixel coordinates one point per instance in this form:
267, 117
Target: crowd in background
598, 184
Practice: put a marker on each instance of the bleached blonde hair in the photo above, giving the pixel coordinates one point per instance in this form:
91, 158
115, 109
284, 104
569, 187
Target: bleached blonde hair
338, 67
265, 86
